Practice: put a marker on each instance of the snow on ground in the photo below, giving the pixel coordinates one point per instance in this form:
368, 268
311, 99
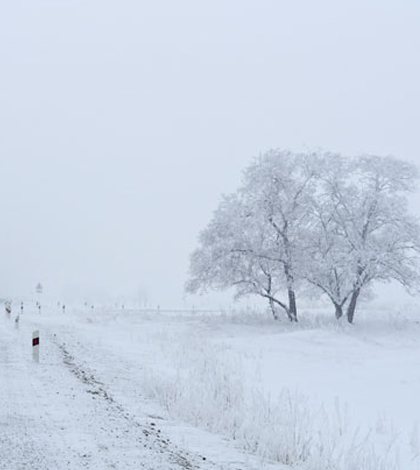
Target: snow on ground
128, 389
58, 415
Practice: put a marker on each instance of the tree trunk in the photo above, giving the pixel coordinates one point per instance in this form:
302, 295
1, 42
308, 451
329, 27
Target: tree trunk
273, 310
292, 313
352, 305
338, 311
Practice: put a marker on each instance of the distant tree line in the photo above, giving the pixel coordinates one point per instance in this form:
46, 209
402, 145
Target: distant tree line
306, 223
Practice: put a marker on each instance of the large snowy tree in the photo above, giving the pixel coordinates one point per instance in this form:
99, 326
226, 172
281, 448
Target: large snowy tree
253, 241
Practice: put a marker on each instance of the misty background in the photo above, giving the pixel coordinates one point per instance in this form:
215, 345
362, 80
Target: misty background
122, 123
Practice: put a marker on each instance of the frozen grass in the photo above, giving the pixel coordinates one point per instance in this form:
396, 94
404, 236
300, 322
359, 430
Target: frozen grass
205, 383
205, 387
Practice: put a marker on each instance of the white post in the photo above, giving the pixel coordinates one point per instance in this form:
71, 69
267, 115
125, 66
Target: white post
35, 346
17, 321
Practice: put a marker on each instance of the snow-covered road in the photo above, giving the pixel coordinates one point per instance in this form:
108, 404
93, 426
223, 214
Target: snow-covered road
57, 415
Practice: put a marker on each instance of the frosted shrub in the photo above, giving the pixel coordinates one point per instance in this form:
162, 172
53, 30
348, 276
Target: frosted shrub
414, 442
206, 387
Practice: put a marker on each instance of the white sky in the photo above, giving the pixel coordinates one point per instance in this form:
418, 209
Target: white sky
122, 122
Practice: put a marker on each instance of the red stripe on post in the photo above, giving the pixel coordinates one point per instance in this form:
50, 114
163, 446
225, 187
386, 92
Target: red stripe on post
35, 342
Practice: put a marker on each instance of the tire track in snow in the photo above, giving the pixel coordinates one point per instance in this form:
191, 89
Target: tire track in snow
150, 435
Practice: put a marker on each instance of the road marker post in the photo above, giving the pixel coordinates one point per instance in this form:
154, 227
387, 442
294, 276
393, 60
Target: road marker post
8, 308
35, 346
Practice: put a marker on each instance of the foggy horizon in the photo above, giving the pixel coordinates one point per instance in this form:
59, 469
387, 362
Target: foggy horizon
124, 124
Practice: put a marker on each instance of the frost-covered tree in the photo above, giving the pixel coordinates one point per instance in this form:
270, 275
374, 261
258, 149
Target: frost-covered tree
372, 235
279, 187
253, 241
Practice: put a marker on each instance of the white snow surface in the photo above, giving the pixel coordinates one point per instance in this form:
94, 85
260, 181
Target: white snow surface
123, 389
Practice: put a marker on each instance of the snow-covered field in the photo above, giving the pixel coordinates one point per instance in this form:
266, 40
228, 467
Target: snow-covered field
123, 389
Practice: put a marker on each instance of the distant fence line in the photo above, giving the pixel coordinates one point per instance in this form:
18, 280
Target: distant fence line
164, 310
